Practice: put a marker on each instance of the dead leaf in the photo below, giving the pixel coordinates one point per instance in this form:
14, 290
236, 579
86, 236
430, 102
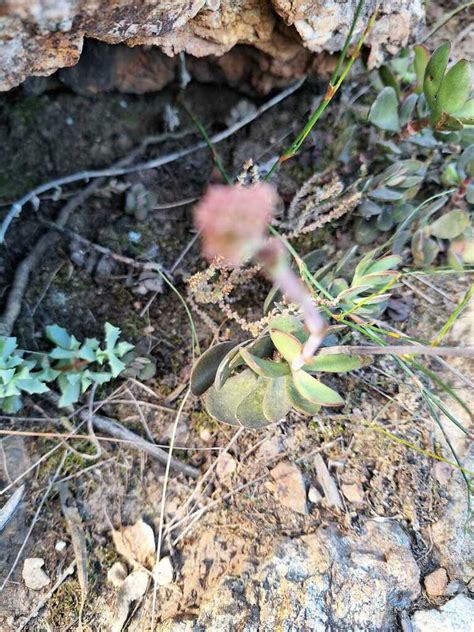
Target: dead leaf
163, 573
133, 588
33, 574
136, 544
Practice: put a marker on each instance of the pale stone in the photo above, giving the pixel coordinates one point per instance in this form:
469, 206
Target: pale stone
289, 487
33, 574
436, 583
457, 615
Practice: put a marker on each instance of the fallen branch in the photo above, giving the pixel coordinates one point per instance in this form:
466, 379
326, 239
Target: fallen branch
17, 206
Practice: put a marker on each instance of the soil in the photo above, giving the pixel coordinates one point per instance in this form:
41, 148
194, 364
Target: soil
56, 133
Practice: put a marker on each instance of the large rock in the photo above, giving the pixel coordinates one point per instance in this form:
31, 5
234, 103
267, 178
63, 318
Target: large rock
324, 581
39, 36
457, 615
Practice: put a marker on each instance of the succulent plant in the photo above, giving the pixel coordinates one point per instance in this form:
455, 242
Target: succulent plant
441, 98
387, 199
17, 376
362, 296
70, 364
254, 383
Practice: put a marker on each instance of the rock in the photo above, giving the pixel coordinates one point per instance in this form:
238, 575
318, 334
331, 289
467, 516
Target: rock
353, 492
314, 496
37, 37
289, 487
163, 571
436, 583
33, 574
117, 574
457, 615
319, 582
60, 546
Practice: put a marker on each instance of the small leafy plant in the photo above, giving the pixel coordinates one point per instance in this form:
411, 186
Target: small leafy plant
440, 99
256, 382
71, 365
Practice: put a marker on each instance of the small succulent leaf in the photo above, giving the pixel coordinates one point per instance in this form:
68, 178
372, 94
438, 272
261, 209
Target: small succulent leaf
315, 391
59, 353
32, 385
386, 194
116, 365
263, 367
112, 334
384, 264
335, 363
423, 248
250, 410
434, 72
298, 402
365, 232
261, 346
11, 405
385, 220
446, 122
291, 325
384, 111
368, 209
229, 363
466, 113
6, 375
450, 225
87, 353
7, 346
99, 378
59, 336
70, 393
222, 404
287, 345
272, 297
420, 62
389, 79
276, 401
455, 87
204, 371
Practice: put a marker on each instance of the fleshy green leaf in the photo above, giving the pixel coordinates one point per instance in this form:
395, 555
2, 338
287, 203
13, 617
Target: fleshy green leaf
450, 225
455, 87
205, 369
335, 362
384, 111
250, 410
315, 391
434, 73
59, 336
264, 367
298, 402
287, 344
222, 404
276, 401
420, 62
423, 248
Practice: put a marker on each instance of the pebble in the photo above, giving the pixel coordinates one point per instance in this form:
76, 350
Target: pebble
117, 574
33, 574
60, 546
353, 492
436, 583
290, 487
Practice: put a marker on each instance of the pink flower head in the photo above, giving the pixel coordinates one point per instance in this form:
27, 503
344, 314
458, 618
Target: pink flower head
233, 220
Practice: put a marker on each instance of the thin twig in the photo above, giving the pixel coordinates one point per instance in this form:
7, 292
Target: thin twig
17, 206
445, 19
163, 504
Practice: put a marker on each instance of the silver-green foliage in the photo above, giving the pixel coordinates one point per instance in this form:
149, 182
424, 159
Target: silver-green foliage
71, 366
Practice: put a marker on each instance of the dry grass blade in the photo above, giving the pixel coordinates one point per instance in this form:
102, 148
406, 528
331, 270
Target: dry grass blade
331, 493
9, 508
78, 538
